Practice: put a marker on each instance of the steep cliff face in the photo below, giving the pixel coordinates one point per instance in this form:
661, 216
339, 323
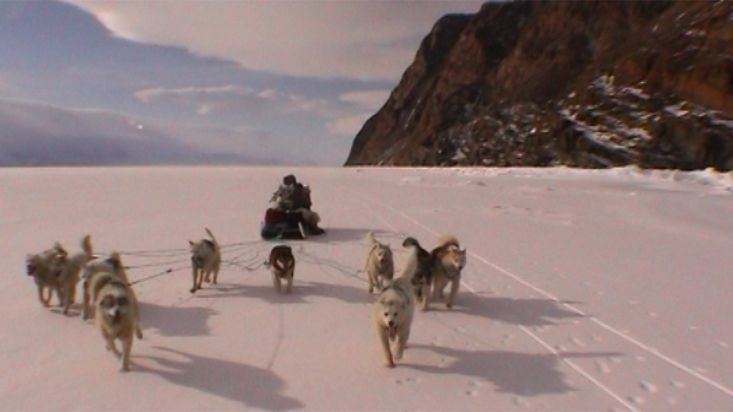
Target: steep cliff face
590, 84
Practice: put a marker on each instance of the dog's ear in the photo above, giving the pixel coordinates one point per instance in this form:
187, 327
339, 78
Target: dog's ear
115, 260
60, 249
192, 244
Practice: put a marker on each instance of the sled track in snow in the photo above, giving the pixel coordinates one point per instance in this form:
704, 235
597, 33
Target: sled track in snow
542, 343
717, 385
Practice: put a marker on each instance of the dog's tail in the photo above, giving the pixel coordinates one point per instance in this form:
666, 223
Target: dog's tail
370, 239
211, 235
408, 272
86, 246
444, 243
116, 261
60, 250
411, 241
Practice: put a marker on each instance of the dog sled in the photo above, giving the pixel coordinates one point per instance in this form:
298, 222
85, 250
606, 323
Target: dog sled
286, 224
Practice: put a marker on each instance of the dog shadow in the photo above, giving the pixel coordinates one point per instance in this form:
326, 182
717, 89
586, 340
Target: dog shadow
517, 373
300, 293
344, 293
253, 387
175, 320
525, 312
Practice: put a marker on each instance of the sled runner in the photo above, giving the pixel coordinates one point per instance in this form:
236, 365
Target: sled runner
286, 224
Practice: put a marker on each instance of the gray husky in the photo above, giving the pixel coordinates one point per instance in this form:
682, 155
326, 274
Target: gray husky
379, 263
205, 260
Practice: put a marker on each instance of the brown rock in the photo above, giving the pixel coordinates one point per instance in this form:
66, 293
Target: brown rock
589, 84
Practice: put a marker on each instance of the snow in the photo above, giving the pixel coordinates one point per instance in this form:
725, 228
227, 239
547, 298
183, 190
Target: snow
636, 92
459, 156
584, 290
600, 134
676, 110
604, 84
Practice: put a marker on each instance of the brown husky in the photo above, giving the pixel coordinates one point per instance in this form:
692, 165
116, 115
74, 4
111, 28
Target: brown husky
117, 314
46, 268
71, 269
111, 264
448, 262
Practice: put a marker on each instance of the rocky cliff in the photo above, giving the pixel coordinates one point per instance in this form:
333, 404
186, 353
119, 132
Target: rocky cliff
588, 84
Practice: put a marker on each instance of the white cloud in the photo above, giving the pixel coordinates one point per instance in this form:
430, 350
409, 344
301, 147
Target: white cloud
360, 105
370, 99
352, 39
344, 116
230, 98
347, 125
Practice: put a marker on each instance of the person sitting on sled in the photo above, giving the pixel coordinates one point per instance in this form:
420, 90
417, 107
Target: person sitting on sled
293, 196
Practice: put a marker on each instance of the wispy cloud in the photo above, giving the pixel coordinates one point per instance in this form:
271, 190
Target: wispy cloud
367, 99
362, 104
230, 98
343, 116
348, 125
350, 39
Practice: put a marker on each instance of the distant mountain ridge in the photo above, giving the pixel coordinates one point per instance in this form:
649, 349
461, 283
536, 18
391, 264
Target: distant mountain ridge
42, 135
588, 84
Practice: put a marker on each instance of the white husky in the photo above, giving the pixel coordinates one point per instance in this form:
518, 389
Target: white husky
393, 311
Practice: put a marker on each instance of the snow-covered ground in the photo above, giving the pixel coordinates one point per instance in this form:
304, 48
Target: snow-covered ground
584, 290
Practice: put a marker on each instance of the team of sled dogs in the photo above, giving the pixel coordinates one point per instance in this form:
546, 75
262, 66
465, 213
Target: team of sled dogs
425, 275
109, 298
